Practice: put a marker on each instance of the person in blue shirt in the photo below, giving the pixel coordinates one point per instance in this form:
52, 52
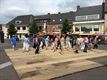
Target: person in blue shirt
43, 42
47, 42
13, 42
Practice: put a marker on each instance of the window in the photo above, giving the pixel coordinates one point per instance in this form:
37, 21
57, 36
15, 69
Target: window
91, 17
45, 21
53, 20
18, 28
60, 19
87, 17
24, 28
86, 28
77, 28
18, 22
96, 28
79, 18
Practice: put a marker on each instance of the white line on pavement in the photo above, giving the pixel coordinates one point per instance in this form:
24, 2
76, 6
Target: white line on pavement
4, 65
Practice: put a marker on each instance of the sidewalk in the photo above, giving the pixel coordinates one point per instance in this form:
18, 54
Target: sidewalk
7, 71
49, 64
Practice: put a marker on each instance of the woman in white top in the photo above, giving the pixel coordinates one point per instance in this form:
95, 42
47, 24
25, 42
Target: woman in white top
26, 43
62, 41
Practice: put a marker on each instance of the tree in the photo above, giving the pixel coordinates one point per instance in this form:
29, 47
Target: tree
11, 30
66, 27
34, 28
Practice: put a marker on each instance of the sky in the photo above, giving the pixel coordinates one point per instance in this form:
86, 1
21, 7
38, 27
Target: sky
9, 9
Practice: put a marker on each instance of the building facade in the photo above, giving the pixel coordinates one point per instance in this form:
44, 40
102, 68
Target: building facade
91, 20
106, 17
22, 24
85, 20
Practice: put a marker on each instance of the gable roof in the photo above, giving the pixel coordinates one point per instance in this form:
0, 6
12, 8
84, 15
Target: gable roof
25, 20
89, 10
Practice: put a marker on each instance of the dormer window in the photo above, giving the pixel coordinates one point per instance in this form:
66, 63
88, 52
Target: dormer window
18, 22
53, 20
60, 19
87, 17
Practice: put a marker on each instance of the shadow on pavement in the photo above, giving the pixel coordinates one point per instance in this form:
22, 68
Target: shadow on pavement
100, 60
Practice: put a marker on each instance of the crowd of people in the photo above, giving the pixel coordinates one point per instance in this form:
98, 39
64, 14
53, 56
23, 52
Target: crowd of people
61, 42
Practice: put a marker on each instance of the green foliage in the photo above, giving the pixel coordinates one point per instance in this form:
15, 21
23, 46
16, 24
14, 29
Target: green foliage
66, 27
34, 28
11, 30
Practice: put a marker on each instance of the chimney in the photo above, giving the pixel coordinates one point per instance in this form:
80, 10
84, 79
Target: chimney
78, 7
103, 9
105, 6
48, 13
59, 12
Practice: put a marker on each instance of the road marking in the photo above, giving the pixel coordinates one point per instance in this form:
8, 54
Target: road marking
4, 65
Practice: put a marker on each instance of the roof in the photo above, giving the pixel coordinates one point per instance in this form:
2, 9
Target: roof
22, 20
81, 11
60, 17
90, 11
42, 17
56, 18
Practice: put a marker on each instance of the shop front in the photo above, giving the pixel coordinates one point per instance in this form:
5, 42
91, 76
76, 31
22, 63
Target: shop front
89, 28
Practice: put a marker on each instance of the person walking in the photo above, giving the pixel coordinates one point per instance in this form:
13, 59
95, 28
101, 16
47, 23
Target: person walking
68, 44
77, 45
47, 42
82, 45
26, 43
96, 42
62, 41
34, 41
74, 40
42, 42
37, 45
55, 43
52, 42
90, 43
86, 44
13, 42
